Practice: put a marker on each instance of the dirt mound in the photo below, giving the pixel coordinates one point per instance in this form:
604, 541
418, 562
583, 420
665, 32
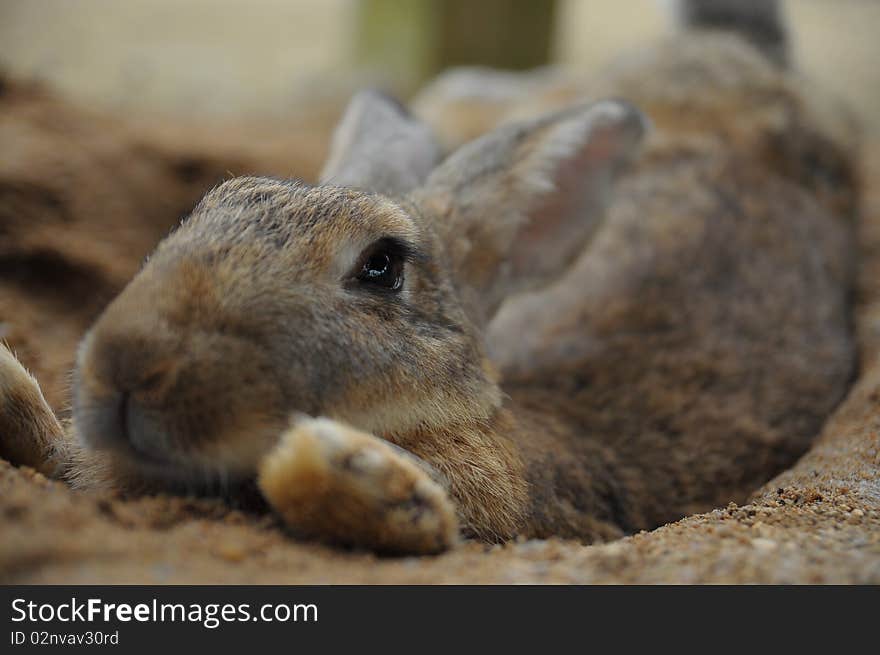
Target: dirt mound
83, 198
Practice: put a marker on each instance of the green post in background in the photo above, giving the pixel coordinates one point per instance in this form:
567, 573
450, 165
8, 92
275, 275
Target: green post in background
409, 41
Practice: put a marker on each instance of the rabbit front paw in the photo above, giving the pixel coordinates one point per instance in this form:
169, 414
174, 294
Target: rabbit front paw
29, 431
331, 482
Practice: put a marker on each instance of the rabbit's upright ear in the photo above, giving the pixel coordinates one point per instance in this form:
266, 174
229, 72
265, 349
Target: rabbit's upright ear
517, 205
378, 146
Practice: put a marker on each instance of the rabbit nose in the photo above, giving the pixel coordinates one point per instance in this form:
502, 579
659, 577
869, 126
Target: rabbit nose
138, 427
122, 390
126, 372
135, 398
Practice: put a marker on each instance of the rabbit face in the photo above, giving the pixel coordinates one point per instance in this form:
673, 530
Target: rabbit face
276, 298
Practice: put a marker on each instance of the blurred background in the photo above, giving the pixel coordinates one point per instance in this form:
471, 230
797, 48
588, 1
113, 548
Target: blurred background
228, 58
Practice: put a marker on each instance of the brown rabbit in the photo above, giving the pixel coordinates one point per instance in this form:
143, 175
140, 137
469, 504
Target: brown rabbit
330, 340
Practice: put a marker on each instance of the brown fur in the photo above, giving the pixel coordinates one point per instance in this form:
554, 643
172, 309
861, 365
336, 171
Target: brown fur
31, 431
388, 503
650, 390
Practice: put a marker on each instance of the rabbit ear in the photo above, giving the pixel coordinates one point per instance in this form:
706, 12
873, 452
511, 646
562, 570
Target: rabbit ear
516, 206
378, 146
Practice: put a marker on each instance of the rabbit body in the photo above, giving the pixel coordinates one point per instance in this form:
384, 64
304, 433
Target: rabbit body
531, 337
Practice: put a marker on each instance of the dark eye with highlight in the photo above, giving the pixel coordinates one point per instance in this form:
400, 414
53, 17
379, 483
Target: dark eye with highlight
381, 266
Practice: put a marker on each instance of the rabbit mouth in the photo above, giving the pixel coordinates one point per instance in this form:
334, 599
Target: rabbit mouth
148, 443
215, 471
172, 473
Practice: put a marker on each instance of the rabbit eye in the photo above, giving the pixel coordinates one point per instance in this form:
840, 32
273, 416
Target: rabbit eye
382, 267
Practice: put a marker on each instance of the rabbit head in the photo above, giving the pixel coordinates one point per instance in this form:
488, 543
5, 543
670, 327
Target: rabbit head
360, 299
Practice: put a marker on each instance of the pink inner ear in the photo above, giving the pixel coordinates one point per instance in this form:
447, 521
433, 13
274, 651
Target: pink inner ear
563, 219
601, 146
